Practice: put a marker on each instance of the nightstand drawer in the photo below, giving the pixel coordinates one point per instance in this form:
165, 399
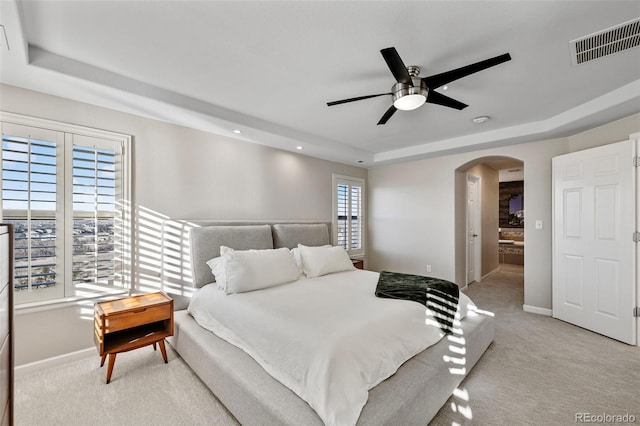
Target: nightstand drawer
136, 317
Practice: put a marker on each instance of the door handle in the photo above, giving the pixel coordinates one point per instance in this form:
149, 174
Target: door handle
475, 235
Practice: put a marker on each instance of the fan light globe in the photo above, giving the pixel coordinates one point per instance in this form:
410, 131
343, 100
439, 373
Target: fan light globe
409, 102
406, 97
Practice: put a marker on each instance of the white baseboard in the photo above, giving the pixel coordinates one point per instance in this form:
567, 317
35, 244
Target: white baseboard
55, 361
486, 275
536, 310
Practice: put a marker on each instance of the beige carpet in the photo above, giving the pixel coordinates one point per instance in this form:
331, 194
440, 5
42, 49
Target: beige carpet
542, 371
538, 371
143, 391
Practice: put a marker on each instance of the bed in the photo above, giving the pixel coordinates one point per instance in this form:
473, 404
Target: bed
412, 396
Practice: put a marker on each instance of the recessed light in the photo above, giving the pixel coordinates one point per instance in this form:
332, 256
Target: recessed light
237, 131
445, 87
481, 119
298, 147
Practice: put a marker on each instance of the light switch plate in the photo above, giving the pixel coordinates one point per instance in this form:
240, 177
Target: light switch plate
538, 224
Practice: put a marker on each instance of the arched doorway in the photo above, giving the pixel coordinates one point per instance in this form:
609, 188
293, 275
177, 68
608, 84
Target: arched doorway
481, 213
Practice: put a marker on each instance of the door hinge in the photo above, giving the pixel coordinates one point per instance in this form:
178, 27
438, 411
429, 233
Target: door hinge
636, 312
636, 161
636, 237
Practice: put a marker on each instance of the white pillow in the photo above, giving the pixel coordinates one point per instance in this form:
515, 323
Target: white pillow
317, 261
248, 270
218, 270
296, 255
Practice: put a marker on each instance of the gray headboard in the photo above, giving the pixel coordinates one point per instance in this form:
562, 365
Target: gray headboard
289, 235
205, 244
188, 245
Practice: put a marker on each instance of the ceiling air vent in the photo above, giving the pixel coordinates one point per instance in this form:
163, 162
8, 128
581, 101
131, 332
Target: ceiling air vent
606, 42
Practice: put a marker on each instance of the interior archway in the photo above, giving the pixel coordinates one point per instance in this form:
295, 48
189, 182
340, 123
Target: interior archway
487, 171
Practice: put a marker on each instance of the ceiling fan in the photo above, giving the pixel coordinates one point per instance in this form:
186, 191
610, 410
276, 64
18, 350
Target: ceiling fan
411, 91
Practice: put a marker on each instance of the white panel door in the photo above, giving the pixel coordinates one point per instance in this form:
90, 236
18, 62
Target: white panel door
473, 211
593, 250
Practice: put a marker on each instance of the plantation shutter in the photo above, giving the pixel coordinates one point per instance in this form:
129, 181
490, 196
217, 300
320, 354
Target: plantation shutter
355, 229
348, 219
342, 215
97, 231
65, 192
32, 198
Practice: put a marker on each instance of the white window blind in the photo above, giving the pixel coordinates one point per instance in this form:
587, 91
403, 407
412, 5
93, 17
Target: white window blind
66, 195
29, 201
348, 223
94, 215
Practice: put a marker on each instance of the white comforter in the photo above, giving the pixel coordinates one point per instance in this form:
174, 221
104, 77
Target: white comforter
328, 339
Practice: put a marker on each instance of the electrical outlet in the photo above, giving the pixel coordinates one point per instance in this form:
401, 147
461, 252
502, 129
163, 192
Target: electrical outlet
428, 268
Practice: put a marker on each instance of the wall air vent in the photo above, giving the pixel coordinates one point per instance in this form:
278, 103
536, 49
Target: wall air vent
606, 42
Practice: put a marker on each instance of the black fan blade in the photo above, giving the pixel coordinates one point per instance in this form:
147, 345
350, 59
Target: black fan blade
387, 115
359, 98
435, 81
395, 64
440, 99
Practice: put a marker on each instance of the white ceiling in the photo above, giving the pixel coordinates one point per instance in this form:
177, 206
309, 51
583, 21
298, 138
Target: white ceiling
268, 68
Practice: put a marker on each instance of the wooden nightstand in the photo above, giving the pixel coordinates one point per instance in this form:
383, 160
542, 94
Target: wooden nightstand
358, 263
131, 323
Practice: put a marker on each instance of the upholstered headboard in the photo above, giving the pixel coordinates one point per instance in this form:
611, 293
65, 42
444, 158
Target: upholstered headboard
188, 245
205, 244
289, 235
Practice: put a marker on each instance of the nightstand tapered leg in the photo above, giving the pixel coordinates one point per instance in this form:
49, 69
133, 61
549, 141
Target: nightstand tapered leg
163, 350
112, 360
102, 359
154, 346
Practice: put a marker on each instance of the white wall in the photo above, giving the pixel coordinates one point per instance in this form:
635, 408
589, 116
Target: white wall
412, 215
178, 173
614, 132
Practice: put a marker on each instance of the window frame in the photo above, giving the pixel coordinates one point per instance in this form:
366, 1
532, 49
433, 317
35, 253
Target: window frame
349, 180
65, 157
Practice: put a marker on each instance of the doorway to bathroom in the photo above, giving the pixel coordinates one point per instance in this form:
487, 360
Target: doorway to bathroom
490, 218
511, 218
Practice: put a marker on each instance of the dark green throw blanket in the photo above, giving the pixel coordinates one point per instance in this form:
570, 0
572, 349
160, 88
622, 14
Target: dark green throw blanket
439, 296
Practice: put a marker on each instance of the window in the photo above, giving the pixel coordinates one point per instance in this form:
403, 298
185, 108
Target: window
348, 223
65, 189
